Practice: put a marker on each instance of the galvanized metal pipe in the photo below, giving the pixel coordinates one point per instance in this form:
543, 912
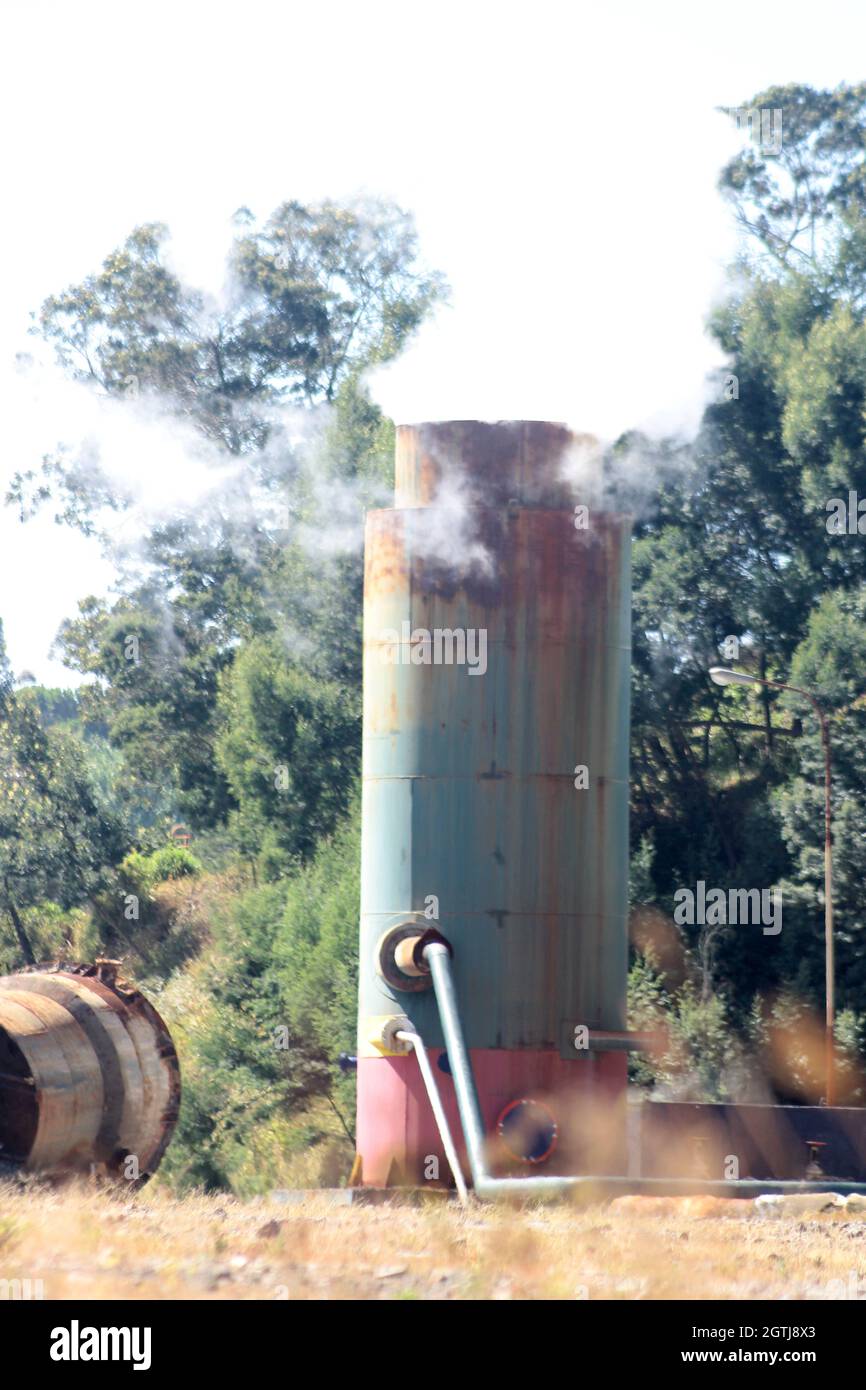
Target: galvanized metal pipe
416, 1042
438, 958
485, 1185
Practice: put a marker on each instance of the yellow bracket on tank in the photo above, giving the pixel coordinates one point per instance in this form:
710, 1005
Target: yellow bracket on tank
372, 1032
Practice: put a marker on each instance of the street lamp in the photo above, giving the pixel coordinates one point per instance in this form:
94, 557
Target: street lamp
722, 676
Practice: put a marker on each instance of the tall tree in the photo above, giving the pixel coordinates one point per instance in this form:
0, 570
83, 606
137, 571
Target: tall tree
317, 294
314, 295
789, 192
737, 545
56, 838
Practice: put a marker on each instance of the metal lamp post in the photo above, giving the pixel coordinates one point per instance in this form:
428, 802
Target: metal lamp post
722, 676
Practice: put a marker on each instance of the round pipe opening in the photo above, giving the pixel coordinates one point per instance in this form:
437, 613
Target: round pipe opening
19, 1111
528, 1130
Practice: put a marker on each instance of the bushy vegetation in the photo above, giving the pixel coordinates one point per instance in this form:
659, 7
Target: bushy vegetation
261, 1018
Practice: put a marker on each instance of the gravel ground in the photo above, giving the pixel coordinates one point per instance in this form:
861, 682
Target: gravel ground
83, 1242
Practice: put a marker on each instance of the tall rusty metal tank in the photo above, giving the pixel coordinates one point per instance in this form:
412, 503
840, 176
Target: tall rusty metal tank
89, 1077
476, 820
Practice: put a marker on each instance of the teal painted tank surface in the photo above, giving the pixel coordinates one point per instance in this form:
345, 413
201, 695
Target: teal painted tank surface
496, 669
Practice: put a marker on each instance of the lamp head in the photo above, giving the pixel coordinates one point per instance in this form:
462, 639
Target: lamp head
722, 676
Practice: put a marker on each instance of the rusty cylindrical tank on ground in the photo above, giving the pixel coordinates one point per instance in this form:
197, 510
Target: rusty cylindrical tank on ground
89, 1077
478, 819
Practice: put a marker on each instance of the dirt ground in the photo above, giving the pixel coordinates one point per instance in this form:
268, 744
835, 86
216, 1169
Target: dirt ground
85, 1243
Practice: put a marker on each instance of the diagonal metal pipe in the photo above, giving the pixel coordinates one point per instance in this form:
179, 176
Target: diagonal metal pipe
414, 1040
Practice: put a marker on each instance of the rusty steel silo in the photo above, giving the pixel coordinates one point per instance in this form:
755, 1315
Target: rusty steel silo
475, 821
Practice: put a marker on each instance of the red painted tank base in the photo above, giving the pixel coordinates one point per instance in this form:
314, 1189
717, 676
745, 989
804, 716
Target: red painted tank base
398, 1142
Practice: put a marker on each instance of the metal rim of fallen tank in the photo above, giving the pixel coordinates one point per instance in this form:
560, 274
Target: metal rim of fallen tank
129, 1007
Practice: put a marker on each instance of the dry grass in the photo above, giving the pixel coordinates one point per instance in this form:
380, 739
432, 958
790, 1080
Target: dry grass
85, 1243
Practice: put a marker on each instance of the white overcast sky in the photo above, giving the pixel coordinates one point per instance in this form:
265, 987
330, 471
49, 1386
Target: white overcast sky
560, 160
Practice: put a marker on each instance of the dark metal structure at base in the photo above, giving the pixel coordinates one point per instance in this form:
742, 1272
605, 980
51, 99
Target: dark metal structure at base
795, 1143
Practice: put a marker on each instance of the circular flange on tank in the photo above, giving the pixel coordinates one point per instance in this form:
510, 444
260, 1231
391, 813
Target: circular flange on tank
395, 965
528, 1130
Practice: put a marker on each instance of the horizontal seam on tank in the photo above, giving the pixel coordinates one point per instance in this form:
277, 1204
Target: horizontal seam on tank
608, 518
380, 643
499, 775
488, 912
